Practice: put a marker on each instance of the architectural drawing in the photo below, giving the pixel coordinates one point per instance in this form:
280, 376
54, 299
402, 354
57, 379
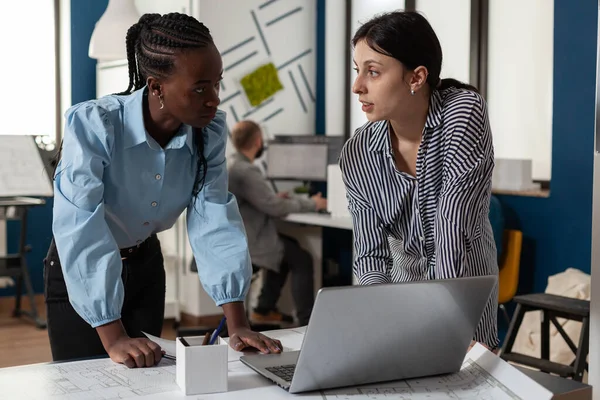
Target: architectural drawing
471, 383
94, 380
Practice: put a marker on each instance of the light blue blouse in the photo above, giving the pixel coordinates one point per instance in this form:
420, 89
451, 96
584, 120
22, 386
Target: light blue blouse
115, 186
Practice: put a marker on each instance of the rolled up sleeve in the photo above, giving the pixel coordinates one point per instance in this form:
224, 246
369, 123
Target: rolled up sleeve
89, 255
215, 228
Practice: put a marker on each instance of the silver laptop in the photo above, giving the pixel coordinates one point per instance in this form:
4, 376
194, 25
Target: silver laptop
365, 334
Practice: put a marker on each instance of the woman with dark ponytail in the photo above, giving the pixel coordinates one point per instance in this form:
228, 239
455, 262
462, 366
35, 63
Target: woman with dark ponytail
130, 165
418, 174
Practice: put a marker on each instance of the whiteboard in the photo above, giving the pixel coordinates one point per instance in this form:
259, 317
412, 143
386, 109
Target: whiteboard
22, 171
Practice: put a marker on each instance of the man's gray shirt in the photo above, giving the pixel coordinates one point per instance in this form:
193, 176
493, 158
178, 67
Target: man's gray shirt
260, 206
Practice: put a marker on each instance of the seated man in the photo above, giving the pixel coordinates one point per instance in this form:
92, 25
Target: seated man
260, 206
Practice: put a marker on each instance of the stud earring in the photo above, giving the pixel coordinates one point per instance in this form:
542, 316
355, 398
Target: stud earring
162, 102
412, 92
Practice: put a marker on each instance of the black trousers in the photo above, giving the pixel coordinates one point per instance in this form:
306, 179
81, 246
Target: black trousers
299, 262
143, 275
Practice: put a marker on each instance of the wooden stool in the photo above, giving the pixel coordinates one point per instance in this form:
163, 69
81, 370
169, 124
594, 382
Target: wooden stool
552, 307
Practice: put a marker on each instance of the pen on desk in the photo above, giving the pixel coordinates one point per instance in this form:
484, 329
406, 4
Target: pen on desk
206, 339
217, 331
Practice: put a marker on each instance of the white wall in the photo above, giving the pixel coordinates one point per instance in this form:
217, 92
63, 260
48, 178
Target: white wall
336, 87
451, 21
164, 6
520, 86
232, 22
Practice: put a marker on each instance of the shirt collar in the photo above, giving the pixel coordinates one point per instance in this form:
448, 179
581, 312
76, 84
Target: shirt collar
135, 132
434, 115
379, 135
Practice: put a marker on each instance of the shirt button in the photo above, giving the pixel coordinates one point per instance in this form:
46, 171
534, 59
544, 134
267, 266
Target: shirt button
157, 176
146, 223
154, 204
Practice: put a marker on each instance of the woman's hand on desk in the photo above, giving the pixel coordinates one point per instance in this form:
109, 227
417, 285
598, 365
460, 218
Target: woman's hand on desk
135, 352
240, 334
242, 338
122, 349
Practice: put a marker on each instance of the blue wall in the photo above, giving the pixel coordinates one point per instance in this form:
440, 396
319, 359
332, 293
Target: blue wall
558, 229
84, 15
320, 92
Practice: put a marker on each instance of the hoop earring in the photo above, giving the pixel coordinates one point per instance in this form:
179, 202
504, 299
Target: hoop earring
162, 102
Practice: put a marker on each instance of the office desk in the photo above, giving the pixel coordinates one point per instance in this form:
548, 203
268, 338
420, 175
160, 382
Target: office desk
103, 379
322, 220
307, 229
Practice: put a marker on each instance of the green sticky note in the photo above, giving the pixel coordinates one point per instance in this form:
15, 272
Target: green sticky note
261, 84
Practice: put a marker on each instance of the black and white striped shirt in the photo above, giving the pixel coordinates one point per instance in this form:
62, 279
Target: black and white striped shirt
434, 226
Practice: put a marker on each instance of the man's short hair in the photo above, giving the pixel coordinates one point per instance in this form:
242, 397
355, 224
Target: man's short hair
243, 133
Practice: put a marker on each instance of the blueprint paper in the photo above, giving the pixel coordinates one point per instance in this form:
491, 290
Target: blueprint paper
100, 379
483, 376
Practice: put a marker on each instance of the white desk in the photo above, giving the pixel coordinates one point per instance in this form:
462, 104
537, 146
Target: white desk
102, 379
322, 220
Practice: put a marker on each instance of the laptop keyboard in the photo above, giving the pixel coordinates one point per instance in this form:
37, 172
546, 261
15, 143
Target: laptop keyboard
285, 372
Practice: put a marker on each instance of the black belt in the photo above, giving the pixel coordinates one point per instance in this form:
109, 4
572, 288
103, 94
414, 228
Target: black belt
138, 249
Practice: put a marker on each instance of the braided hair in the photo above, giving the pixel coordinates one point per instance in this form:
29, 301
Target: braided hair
152, 45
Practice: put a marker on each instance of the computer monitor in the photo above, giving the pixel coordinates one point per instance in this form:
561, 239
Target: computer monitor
334, 143
297, 161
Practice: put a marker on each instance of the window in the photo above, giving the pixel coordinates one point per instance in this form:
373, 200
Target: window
29, 83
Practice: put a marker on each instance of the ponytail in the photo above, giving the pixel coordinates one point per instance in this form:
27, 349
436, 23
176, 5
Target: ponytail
448, 83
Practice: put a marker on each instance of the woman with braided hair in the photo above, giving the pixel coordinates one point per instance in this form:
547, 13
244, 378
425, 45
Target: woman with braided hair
130, 164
